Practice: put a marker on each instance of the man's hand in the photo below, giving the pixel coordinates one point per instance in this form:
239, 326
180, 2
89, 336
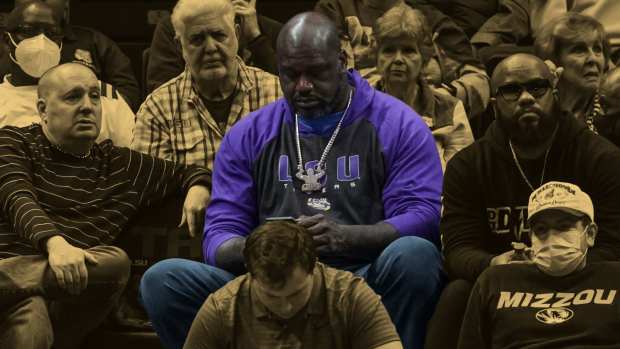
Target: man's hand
247, 10
511, 257
69, 264
329, 238
194, 209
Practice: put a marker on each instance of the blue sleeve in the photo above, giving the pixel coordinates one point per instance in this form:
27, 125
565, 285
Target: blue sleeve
232, 211
412, 193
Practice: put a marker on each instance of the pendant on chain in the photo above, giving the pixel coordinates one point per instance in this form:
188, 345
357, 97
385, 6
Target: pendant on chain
311, 179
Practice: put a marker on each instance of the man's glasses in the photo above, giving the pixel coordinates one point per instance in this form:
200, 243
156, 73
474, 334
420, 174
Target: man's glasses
28, 31
536, 88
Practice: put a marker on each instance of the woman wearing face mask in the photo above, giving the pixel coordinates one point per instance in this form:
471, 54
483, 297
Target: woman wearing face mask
580, 45
404, 48
557, 301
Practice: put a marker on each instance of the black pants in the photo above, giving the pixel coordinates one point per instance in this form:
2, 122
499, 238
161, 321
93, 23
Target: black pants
445, 325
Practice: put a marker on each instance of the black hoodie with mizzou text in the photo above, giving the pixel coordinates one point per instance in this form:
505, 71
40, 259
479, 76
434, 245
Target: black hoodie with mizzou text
485, 197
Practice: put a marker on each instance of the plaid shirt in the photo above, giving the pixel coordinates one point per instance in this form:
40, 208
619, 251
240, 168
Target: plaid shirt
174, 124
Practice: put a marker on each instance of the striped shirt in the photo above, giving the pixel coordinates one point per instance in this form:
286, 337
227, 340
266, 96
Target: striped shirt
44, 192
174, 124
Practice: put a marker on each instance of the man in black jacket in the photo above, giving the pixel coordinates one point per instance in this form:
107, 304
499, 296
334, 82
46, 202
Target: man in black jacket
92, 48
487, 185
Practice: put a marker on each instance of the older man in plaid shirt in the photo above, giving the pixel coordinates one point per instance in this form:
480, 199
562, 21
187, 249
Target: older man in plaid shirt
185, 119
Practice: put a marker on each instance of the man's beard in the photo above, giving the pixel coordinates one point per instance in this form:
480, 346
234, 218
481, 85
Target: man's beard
326, 106
530, 135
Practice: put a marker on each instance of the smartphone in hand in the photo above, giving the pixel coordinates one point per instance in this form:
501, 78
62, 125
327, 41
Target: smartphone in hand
281, 218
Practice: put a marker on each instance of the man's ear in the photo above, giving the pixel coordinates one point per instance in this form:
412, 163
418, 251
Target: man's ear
42, 109
591, 232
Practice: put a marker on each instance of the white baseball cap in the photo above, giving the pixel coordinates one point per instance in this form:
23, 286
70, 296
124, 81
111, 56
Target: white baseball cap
562, 196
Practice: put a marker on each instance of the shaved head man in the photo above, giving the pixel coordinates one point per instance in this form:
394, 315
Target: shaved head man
487, 185
356, 167
70, 107
525, 102
608, 124
312, 66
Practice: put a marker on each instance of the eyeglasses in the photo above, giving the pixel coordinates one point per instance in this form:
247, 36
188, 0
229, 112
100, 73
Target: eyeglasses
27, 31
536, 88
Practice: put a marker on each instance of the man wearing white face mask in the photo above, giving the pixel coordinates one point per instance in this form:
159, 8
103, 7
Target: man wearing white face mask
551, 302
34, 36
35, 55
91, 47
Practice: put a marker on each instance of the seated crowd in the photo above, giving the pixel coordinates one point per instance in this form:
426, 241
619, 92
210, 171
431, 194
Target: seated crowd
330, 166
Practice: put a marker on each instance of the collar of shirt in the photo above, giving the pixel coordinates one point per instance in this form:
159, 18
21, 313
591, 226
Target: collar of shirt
189, 89
316, 303
188, 93
322, 126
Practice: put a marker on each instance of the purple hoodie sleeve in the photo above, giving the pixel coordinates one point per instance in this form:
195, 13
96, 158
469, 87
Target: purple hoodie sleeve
232, 210
412, 194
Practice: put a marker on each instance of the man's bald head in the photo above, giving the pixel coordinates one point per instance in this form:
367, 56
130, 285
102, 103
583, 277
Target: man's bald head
520, 63
31, 9
69, 105
312, 66
527, 106
52, 78
310, 30
57, 5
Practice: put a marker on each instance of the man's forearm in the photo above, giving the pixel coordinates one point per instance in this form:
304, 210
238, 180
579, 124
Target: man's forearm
229, 256
370, 239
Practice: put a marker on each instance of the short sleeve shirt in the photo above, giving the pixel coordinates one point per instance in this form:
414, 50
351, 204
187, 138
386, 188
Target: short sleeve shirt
343, 312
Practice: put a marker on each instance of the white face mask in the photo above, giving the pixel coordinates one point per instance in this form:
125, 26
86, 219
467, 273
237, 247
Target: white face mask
36, 55
560, 254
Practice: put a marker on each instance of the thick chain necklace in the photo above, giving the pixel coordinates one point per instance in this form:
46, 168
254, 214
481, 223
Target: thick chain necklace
312, 176
542, 175
79, 156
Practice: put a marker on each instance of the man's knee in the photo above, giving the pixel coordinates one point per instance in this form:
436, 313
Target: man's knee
178, 279
412, 253
413, 260
26, 325
113, 265
155, 278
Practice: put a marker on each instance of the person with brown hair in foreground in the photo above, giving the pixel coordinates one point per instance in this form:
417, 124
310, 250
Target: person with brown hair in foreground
290, 299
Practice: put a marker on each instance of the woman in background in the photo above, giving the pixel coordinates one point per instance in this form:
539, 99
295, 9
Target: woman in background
404, 47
